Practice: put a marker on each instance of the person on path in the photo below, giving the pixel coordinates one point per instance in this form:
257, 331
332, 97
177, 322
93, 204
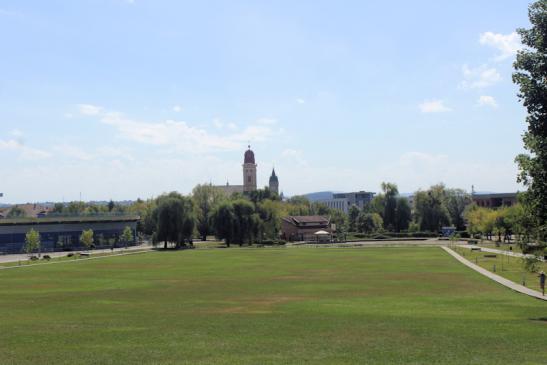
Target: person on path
542, 282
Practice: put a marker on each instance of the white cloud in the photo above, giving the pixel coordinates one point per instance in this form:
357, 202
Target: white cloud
506, 44
486, 100
300, 101
88, 109
177, 108
434, 106
181, 135
16, 133
218, 123
479, 77
25, 152
232, 126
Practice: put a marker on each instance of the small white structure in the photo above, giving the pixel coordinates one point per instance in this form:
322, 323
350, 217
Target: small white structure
322, 236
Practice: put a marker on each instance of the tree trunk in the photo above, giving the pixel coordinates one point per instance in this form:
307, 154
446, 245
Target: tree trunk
165, 245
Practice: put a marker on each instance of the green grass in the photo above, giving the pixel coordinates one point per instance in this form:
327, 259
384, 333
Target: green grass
267, 306
507, 266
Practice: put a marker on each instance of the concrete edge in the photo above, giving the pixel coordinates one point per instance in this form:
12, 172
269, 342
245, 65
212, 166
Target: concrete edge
501, 280
72, 261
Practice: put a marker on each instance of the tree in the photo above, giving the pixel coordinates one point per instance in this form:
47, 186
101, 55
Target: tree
111, 205
369, 222
224, 221
353, 215
531, 77
175, 221
456, 200
86, 238
431, 213
206, 198
403, 214
16, 212
32, 241
127, 235
389, 215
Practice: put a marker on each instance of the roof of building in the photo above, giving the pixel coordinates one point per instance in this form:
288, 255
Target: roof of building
249, 156
494, 195
273, 178
64, 220
307, 219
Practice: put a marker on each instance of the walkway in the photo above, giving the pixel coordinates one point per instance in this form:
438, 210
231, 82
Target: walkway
24, 257
499, 279
500, 252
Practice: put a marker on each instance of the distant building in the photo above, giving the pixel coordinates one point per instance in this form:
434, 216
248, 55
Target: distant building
343, 201
249, 177
495, 200
58, 232
274, 183
304, 228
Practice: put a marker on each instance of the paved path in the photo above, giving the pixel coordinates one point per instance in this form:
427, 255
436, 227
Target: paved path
129, 252
503, 281
501, 252
24, 257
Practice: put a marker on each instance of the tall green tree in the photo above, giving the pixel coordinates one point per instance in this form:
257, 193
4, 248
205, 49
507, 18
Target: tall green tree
456, 200
206, 198
353, 215
224, 222
369, 222
430, 210
32, 241
127, 235
389, 216
531, 77
175, 219
403, 214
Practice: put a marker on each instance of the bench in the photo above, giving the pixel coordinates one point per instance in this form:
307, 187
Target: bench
475, 248
491, 256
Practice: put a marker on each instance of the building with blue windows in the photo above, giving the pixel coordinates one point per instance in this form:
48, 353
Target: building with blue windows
63, 233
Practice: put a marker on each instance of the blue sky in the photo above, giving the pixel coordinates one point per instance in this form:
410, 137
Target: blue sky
124, 99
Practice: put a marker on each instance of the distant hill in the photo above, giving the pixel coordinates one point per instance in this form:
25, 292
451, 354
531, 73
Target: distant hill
320, 195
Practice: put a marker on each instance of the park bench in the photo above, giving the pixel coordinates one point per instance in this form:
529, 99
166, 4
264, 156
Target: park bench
491, 256
475, 248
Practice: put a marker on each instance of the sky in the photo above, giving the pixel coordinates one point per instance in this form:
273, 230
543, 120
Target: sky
121, 99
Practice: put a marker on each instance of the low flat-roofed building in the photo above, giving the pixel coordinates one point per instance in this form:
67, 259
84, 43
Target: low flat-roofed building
57, 233
495, 200
304, 228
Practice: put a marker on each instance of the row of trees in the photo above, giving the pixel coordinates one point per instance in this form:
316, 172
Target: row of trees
87, 239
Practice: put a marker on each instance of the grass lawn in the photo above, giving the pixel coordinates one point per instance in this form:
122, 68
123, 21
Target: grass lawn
507, 266
267, 306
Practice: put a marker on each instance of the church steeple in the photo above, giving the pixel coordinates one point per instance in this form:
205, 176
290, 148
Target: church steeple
274, 182
249, 171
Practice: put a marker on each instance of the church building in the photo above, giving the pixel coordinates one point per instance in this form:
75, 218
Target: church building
249, 177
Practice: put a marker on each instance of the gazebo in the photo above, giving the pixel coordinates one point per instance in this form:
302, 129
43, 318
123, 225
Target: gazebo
322, 236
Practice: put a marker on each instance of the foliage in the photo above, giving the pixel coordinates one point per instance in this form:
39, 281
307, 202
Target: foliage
369, 222
237, 222
86, 238
174, 218
430, 209
456, 200
531, 75
206, 198
32, 241
353, 215
127, 235
16, 212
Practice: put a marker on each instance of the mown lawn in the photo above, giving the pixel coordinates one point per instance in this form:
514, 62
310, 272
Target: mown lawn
267, 306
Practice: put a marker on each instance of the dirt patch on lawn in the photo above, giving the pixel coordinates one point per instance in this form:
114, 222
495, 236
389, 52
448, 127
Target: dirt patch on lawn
258, 305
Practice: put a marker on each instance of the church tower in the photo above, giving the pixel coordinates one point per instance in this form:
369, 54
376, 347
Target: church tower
274, 183
249, 171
